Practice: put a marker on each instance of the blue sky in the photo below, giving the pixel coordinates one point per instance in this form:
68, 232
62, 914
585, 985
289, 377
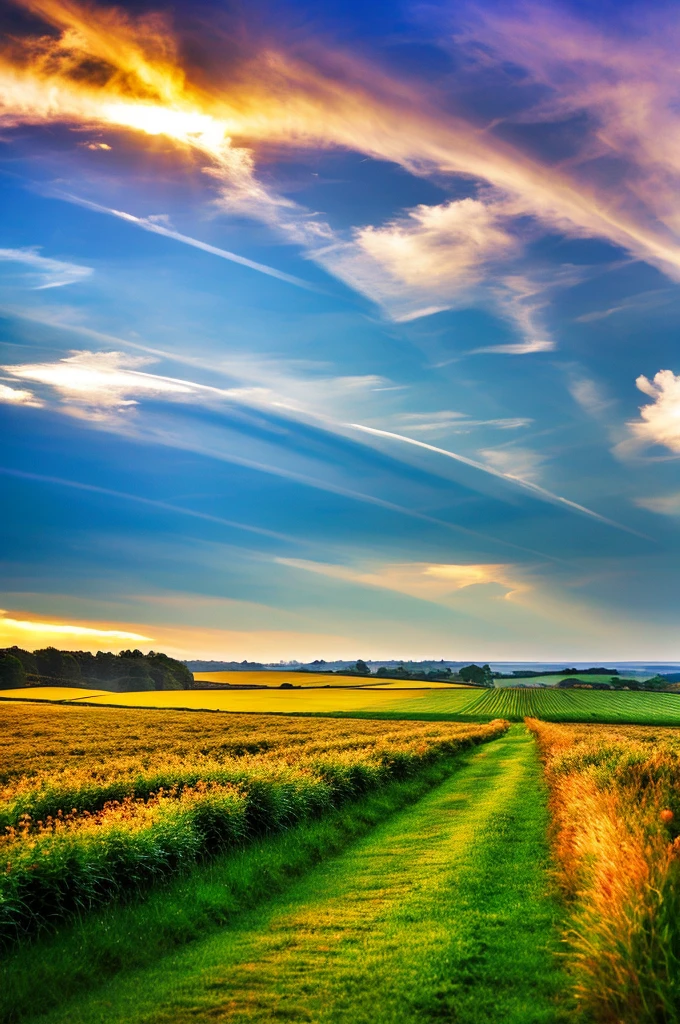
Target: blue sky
340, 333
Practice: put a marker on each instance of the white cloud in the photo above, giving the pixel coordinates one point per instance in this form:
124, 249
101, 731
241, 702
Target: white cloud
518, 463
437, 424
425, 261
45, 272
100, 380
16, 396
659, 422
665, 505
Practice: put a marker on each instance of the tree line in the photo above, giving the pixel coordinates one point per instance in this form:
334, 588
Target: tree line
129, 670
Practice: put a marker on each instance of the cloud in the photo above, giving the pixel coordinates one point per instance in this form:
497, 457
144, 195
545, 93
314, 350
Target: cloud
659, 422
665, 505
437, 424
38, 631
519, 463
100, 381
423, 262
504, 474
329, 99
156, 225
16, 396
103, 387
589, 396
423, 580
46, 273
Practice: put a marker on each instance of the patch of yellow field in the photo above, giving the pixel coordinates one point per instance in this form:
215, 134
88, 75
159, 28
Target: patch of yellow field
49, 693
274, 679
415, 684
285, 701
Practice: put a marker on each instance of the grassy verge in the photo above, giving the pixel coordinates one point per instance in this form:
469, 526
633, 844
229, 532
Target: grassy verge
41, 974
443, 911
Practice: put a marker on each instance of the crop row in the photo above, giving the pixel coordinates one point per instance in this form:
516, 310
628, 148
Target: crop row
92, 847
575, 706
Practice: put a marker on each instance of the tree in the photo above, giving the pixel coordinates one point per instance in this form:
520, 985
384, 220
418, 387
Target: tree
474, 674
11, 672
362, 668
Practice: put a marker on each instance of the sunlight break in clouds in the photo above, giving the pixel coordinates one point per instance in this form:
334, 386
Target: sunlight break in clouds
660, 420
105, 69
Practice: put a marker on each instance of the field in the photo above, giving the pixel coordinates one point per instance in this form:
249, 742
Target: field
160, 866
88, 819
615, 803
395, 701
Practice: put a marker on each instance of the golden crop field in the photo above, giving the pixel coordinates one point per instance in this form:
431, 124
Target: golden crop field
275, 678
415, 684
257, 701
49, 693
615, 804
96, 801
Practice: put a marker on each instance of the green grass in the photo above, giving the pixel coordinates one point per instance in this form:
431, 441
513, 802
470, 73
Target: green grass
102, 943
621, 706
442, 912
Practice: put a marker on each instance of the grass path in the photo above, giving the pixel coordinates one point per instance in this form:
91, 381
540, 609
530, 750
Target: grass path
442, 913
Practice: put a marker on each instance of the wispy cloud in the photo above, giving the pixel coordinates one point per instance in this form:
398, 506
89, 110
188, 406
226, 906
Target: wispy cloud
157, 226
514, 461
426, 261
162, 506
43, 271
426, 581
664, 504
438, 424
535, 489
330, 99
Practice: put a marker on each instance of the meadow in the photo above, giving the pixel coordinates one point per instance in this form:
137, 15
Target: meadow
111, 804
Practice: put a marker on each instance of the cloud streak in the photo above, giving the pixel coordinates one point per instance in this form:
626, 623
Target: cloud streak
533, 488
146, 224
47, 273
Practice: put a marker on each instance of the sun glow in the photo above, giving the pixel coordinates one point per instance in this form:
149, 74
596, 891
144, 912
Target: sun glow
35, 632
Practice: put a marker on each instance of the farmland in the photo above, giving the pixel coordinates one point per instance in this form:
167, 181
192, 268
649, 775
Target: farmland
401, 925
165, 865
615, 816
396, 701
83, 830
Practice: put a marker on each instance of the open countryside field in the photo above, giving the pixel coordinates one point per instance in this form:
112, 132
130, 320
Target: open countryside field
162, 866
584, 677
314, 679
398, 702
80, 831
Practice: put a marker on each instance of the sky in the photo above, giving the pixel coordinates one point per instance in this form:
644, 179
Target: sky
338, 330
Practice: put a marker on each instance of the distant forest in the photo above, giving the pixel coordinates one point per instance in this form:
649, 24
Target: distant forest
129, 670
